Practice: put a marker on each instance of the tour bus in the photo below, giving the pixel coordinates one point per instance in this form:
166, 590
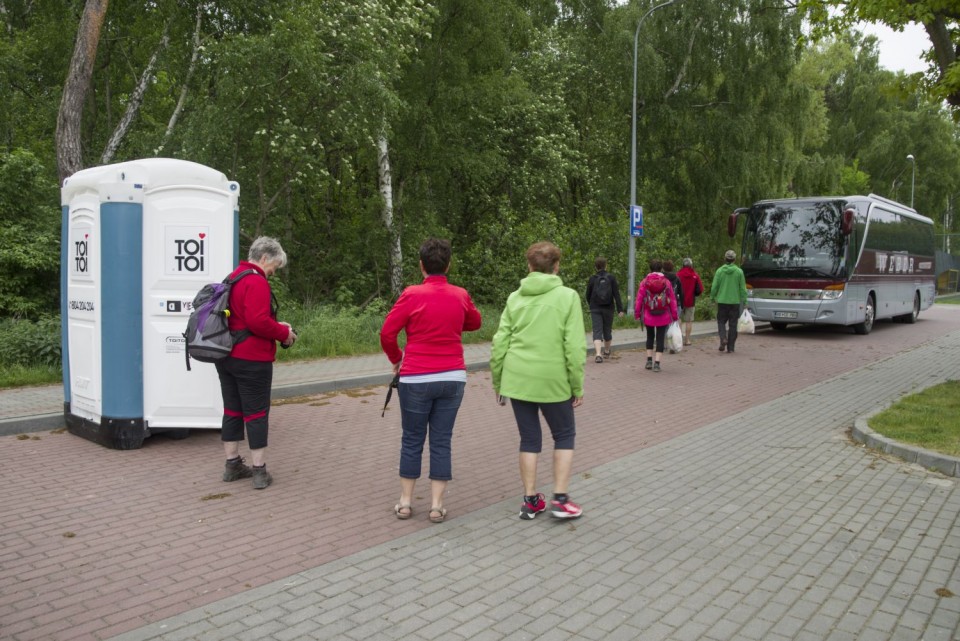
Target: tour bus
836, 261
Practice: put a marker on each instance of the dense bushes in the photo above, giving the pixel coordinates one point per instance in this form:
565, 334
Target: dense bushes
25, 342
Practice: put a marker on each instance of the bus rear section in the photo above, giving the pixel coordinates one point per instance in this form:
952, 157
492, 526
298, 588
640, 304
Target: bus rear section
836, 261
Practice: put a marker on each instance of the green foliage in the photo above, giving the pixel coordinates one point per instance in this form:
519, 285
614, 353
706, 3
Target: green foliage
30, 343
327, 331
507, 123
29, 242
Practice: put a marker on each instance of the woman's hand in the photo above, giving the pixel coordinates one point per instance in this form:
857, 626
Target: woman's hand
577, 401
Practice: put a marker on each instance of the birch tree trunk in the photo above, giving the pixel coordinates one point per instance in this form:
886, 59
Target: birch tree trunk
386, 191
76, 87
186, 84
136, 99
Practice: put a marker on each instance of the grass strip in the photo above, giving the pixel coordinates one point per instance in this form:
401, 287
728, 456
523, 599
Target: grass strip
929, 419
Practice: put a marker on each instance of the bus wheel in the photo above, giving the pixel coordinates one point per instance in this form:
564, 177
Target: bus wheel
870, 313
911, 318
778, 326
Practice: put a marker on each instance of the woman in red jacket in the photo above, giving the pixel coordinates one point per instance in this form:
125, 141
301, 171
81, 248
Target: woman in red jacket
246, 376
432, 371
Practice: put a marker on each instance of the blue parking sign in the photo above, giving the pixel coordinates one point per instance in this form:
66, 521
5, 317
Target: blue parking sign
636, 220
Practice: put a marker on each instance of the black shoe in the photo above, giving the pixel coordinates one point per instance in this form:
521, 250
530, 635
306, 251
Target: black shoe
656, 367
649, 365
598, 359
235, 470
729, 350
723, 345
261, 478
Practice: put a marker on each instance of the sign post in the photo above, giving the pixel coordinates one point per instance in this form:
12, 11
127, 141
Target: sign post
636, 221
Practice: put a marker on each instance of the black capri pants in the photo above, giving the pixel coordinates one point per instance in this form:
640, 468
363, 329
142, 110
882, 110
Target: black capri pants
658, 333
245, 386
559, 417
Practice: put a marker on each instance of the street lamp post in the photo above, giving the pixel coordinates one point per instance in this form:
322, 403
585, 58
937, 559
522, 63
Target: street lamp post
913, 176
631, 268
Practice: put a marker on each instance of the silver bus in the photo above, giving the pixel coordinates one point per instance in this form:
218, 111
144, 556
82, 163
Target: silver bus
836, 261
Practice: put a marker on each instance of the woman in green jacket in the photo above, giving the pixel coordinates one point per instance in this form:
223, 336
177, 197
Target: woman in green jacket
537, 361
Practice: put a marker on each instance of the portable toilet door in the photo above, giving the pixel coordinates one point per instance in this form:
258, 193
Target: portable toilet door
122, 227
190, 217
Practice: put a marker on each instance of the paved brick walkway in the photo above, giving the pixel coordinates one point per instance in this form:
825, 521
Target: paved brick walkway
722, 500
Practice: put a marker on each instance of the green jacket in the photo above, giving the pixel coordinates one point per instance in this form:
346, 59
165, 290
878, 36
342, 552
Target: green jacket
539, 350
729, 286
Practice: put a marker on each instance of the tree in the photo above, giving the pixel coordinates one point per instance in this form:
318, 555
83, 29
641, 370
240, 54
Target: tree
939, 18
76, 88
29, 244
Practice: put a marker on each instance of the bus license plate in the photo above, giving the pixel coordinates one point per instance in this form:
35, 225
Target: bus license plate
784, 314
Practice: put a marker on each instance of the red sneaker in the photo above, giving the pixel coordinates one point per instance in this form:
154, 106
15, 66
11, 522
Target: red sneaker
566, 510
529, 511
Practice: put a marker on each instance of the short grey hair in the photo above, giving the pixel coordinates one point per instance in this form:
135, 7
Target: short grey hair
269, 248
688, 262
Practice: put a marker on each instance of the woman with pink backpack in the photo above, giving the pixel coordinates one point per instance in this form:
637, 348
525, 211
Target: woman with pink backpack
656, 306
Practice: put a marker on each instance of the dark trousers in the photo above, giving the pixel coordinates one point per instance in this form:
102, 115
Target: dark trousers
727, 315
245, 386
657, 335
560, 420
602, 320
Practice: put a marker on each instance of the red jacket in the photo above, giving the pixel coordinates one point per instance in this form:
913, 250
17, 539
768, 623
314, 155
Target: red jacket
688, 280
434, 315
250, 309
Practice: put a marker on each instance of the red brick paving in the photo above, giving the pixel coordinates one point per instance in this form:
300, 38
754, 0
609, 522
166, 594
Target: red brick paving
146, 544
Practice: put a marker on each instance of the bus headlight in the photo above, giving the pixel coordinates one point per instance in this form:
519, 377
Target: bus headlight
832, 292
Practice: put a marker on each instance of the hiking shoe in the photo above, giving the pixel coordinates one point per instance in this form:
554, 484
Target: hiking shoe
234, 470
656, 367
566, 510
261, 478
598, 359
606, 353
723, 345
529, 511
649, 365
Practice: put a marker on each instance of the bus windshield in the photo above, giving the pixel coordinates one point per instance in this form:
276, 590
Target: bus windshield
800, 240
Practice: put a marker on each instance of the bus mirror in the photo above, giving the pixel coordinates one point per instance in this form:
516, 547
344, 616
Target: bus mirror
732, 224
846, 222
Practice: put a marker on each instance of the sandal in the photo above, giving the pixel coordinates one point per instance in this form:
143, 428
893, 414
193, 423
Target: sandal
401, 514
437, 514
606, 353
598, 359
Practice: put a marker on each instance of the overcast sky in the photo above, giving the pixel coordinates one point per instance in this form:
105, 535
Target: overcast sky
900, 51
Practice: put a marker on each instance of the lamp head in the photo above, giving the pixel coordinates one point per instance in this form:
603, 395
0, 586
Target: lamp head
911, 158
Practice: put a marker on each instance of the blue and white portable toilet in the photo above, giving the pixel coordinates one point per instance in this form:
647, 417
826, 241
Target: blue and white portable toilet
138, 240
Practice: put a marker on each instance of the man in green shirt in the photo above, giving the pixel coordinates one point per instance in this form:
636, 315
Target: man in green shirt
729, 291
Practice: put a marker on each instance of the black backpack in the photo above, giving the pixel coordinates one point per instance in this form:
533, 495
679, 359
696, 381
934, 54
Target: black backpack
208, 337
603, 291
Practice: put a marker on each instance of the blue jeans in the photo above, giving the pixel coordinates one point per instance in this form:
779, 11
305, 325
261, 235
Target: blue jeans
428, 408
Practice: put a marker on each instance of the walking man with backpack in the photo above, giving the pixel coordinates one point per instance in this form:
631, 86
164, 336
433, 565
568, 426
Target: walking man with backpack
603, 295
657, 306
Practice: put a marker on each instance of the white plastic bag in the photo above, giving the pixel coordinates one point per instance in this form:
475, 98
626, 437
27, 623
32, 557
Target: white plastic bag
674, 338
745, 322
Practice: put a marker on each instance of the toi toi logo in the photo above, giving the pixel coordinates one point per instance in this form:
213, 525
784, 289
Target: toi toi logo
80, 248
190, 254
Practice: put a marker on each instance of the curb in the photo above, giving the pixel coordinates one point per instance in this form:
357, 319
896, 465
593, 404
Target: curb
861, 432
28, 424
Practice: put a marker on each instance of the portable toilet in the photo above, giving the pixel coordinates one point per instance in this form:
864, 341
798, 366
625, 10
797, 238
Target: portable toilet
138, 241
